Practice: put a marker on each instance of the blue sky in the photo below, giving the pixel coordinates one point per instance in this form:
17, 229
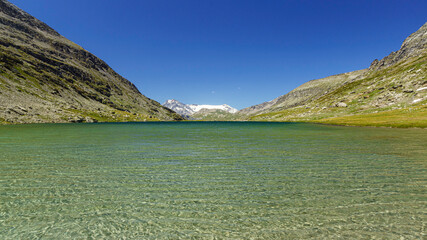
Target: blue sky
236, 52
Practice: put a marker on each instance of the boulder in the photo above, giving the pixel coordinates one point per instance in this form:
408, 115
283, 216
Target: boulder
77, 119
341, 104
89, 120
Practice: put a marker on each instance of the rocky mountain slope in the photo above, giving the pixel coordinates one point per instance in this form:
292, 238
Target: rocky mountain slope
305, 93
200, 112
46, 78
391, 92
182, 109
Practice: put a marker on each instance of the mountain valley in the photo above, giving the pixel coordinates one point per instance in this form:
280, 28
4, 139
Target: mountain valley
46, 78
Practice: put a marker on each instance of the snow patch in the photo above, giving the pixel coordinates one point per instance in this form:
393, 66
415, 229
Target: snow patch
223, 107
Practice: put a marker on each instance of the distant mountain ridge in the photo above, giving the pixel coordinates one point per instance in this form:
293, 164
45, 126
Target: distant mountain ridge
307, 92
44, 77
188, 110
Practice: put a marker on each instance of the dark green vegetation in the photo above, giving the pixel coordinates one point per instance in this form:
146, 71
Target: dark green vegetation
196, 180
46, 78
391, 92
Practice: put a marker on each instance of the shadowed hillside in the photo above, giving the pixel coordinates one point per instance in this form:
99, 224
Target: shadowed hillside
46, 78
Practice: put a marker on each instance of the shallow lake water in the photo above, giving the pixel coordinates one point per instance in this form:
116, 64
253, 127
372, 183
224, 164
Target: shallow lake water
211, 181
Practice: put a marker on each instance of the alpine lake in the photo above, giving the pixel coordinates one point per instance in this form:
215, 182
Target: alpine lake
212, 180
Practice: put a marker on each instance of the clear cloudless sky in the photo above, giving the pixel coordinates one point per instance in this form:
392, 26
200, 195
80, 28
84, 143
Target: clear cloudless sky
238, 52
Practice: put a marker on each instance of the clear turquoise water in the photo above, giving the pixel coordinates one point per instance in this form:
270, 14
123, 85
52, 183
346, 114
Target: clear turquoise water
211, 180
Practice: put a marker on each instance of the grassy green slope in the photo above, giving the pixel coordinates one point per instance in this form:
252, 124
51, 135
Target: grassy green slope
392, 92
402, 118
394, 96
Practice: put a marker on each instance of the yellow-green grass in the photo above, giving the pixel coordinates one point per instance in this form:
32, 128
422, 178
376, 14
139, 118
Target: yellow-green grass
117, 116
401, 118
3, 121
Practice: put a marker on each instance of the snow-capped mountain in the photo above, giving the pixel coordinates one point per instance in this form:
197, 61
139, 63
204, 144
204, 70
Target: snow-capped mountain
179, 107
186, 110
223, 107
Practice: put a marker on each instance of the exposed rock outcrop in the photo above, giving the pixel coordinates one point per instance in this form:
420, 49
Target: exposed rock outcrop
413, 46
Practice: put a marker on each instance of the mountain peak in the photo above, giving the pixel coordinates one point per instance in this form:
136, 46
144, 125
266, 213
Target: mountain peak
20, 15
171, 101
186, 110
413, 46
